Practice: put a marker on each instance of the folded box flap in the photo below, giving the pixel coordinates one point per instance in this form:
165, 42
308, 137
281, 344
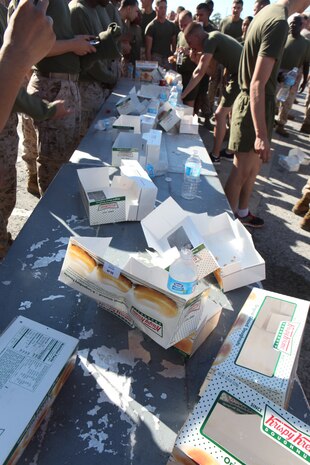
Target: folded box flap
95, 246
93, 178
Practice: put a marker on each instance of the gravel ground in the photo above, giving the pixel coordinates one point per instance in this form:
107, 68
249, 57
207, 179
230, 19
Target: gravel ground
282, 243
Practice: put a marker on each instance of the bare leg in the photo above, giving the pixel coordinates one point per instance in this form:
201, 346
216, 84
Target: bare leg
240, 183
219, 129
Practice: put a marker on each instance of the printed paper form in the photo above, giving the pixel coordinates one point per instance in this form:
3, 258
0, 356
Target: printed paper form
27, 357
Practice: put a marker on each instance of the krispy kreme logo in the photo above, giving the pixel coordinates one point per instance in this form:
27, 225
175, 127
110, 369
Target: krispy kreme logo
284, 337
286, 434
147, 321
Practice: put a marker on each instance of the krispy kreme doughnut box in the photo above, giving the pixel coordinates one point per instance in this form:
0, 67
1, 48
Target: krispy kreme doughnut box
133, 289
238, 262
262, 348
35, 362
146, 70
233, 424
129, 197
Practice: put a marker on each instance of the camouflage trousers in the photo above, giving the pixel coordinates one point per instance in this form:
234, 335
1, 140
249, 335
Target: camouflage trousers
30, 148
93, 95
56, 138
306, 121
8, 157
285, 107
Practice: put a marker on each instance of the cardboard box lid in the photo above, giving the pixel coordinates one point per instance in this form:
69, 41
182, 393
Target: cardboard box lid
149, 91
263, 344
33, 356
233, 424
168, 226
129, 122
93, 179
127, 141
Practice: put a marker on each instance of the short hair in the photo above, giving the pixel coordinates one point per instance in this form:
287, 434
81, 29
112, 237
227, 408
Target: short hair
125, 3
180, 9
193, 28
263, 2
160, 1
250, 18
202, 6
185, 13
239, 2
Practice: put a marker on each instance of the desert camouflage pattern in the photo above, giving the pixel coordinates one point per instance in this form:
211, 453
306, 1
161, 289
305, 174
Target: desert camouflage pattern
93, 95
8, 157
56, 138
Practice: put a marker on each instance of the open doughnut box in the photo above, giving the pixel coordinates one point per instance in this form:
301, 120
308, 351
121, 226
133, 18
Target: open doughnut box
233, 424
136, 291
35, 362
262, 347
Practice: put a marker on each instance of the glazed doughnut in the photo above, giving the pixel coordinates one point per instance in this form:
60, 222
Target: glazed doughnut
81, 259
193, 456
121, 283
155, 300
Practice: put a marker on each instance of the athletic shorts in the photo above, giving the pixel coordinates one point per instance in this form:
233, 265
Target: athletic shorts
242, 133
230, 92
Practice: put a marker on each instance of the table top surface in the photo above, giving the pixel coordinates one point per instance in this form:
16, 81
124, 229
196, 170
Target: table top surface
127, 397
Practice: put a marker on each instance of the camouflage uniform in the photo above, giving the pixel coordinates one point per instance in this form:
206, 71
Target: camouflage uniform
58, 138
8, 156
93, 95
285, 107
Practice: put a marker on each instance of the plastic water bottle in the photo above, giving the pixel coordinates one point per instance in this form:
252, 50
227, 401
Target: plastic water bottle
183, 274
289, 81
173, 98
191, 176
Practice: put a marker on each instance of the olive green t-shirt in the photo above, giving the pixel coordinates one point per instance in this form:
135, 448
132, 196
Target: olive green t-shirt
188, 65
226, 50
87, 20
58, 10
296, 52
146, 18
162, 34
231, 28
266, 37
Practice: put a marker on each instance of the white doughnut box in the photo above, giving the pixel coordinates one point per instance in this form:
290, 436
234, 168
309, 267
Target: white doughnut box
134, 290
262, 347
233, 424
35, 363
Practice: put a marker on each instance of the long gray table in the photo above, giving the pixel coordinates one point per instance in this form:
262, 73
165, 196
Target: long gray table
127, 397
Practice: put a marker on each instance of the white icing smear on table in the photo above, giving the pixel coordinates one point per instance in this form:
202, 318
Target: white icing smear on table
106, 365
43, 262
86, 334
25, 305
38, 245
53, 297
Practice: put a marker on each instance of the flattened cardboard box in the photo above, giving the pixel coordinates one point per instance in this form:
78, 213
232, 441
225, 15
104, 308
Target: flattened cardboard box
262, 348
235, 425
35, 363
133, 290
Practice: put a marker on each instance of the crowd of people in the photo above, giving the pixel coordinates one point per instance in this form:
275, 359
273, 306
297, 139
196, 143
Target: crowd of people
67, 57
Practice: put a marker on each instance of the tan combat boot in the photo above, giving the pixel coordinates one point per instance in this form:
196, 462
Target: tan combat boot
32, 186
305, 222
302, 206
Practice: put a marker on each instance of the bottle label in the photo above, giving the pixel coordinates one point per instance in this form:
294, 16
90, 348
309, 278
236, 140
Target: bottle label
180, 287
192, 171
